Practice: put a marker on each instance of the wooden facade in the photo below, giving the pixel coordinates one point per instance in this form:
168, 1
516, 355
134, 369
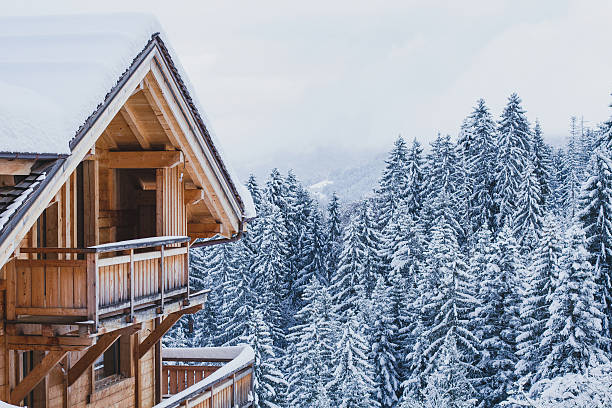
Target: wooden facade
96, 270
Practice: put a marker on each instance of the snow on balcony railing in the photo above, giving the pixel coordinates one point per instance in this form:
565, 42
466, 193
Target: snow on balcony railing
228, 386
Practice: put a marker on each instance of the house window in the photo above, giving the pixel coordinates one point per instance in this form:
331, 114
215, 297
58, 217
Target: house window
114, 364
107, 366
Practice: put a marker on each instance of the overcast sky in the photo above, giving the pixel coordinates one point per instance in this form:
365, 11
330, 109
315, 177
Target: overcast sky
278, 76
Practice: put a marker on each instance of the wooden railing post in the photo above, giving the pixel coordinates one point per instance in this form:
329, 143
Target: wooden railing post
162, 278
92, 289
131, 283
187, 270
233, 390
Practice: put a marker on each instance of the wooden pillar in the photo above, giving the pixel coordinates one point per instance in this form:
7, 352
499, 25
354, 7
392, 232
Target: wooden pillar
159, 202
91, 207
41, 391
158, 366
136, 364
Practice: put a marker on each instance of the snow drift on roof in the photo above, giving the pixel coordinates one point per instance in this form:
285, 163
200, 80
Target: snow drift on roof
56, 70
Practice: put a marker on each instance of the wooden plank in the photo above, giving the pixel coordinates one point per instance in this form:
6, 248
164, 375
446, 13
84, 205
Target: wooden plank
131, 285
91, 207
92, 289
152, 159
51, 311
95, 351
16, 167
36, 375
11, 291
36, 263
48, 341
194, 228
135, 126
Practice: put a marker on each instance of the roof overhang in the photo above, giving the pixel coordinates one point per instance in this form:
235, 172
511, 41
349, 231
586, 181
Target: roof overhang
152, 68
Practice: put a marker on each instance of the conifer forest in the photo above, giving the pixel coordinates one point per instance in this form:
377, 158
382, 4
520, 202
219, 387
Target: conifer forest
478, 273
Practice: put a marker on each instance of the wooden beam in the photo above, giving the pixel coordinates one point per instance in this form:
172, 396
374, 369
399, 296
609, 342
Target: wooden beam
26, 342
16, 167
36, 375
163, 328
206, 227
95, 351
193, 196
128, 114
91, 206
109, 140
151, 159
147, 184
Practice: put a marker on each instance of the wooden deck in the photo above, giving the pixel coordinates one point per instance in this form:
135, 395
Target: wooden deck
207, 377
99, 282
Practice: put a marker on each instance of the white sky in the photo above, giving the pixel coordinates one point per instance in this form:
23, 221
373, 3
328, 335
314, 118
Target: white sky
280, 76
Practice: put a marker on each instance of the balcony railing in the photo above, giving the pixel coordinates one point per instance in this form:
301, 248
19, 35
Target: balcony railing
207, 377
101, 281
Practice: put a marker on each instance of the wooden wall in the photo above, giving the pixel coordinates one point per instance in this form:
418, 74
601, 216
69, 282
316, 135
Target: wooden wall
64, 229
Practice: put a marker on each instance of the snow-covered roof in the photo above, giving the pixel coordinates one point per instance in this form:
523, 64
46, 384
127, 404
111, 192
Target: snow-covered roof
57, 71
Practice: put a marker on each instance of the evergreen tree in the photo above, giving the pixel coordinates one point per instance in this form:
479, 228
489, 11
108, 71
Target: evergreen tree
542, 163
541, 281
480, 155
497, 319
415, 181
448, 300
393, 184
385, 353
255, 191
312, 341
352, 384
268, 380
513, 156
595, 216
528, 213
573, 330
313, 254
334, 238
269, 267
349, 283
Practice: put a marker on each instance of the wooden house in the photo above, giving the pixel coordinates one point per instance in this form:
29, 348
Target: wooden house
108, 174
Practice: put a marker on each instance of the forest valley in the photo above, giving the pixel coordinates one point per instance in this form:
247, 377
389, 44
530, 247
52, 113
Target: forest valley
478, 274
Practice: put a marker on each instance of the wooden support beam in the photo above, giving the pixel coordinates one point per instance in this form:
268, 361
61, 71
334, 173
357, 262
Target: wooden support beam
163, 328
109, 140
35, 376
95, 351
147, 184
193, 196
134, 124
67, 343
16, 167
151, 159
205, 227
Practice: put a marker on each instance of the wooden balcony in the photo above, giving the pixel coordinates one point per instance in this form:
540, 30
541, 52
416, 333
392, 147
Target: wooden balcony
207, 377
104, 286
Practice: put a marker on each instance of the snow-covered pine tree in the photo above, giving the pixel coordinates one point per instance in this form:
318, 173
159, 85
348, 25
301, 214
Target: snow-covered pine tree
392, 187
542, 276
442, 178
255, 191
595, 215
528, 214
313, 254
385, 345
513, 155
268, 380
481, 157
333, 239
242, 299
573, 331
352, 383
448, 300
269, 267
497, 319
311, 346
349, 282
541, 160
415, 167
